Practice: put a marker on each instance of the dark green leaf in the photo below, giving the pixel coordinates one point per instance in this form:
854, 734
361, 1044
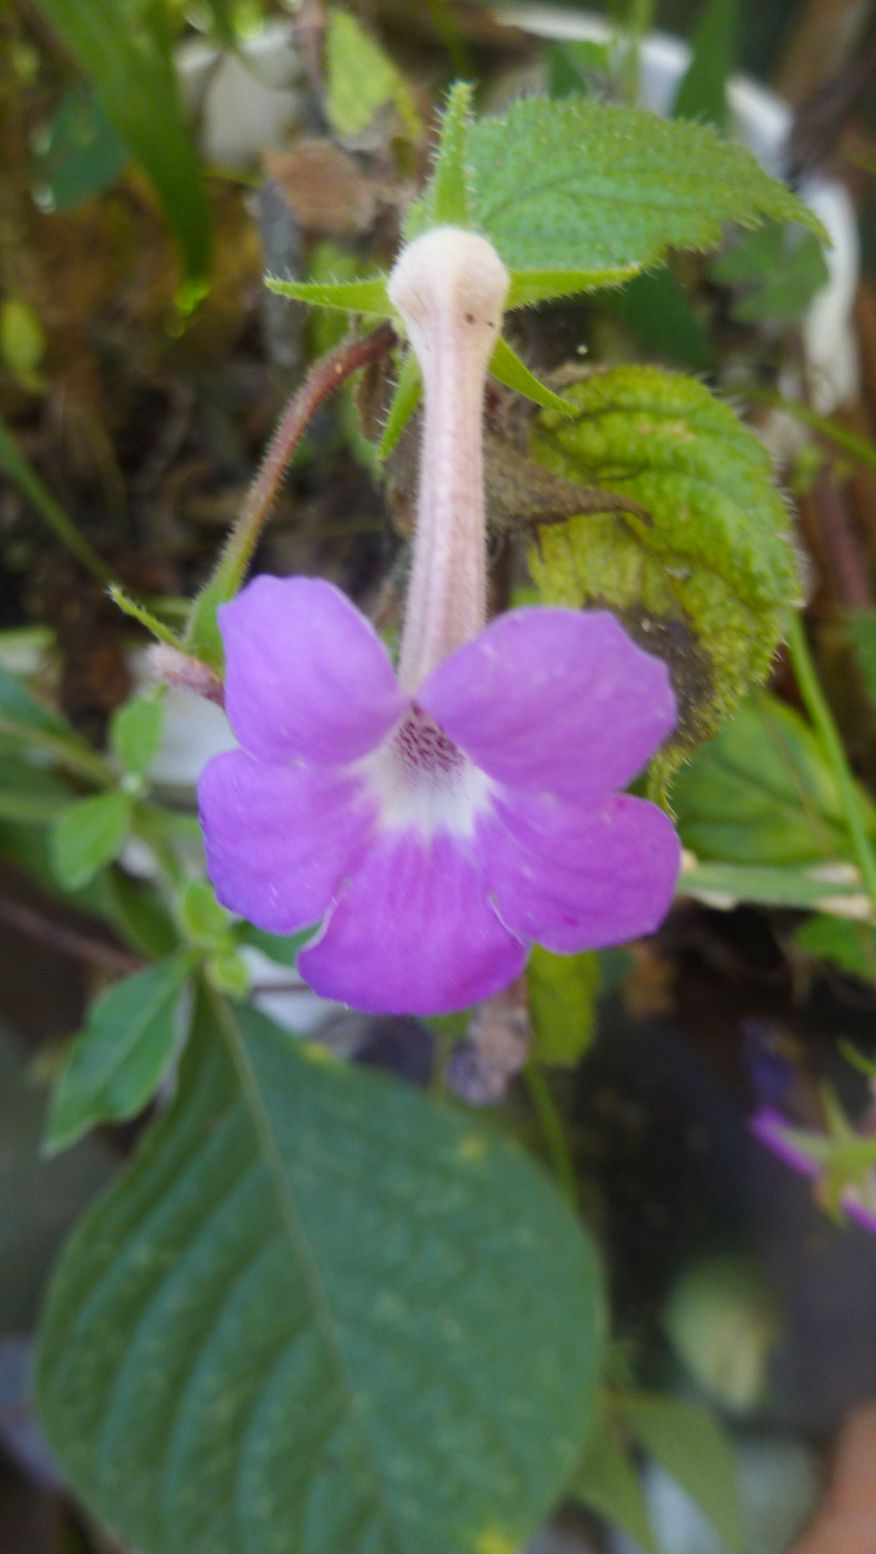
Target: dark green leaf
89, 834
609, 1484
850, 946
690, 1445
136, 733
79, 154
319, 1312
707, 583
574, 67
22, 710
761, 793
778, 271
118, 1061
30, 794
125, 56
656, 309
562, 993
702, 93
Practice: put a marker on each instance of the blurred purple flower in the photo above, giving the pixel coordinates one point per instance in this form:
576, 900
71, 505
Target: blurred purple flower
437, 835
840, 1161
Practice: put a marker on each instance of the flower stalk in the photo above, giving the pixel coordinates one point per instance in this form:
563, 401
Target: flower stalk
449, 287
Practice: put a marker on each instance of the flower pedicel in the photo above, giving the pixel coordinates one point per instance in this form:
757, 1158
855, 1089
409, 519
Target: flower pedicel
436, 822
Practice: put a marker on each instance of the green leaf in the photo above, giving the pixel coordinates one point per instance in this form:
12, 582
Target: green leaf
118, 1061
136, 734
778, 270
203, 920
79, 154
530, 286
657, 310
361, 80
862, 630
850, 946
89, 834
833, 888
366, 296
609, 1484
574, 68
761, 793
583, 188
449, 190
21, 710
405, 399
30, 794
280, 947
506, 366
562, 992
707, 583
319, 1312
126, 57
690, 1445
702, 92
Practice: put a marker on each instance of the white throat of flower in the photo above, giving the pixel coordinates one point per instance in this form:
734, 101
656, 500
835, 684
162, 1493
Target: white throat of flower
449, 287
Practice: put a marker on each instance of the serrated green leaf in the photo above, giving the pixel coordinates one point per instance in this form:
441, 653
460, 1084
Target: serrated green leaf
707, 583
702, 91
127, 59
361, 79
530, 286
366, 296
136, 734
608, 1483
118, 1061
449, 190
584, 186
319, 1312
778, 271
862, 631
562, 991
690, 1445
89, 834
850, 946
405, 399
761, 793
507, 368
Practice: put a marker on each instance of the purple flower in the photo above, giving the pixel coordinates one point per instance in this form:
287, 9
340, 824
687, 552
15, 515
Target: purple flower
435, 836
437, 822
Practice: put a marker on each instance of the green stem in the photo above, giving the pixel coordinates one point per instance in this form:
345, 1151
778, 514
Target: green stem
553, 1131
13, 461
834, 753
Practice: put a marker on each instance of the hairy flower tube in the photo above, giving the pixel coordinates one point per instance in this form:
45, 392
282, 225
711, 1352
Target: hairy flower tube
436, 821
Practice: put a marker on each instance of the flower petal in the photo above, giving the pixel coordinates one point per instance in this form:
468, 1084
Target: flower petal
554, 699
578, 877
280, 839
306, 673
413, 932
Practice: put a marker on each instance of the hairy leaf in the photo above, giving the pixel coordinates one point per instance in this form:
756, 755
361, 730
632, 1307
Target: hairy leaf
320, 1312
707, 582
120, 1058
582, 189
761, 793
